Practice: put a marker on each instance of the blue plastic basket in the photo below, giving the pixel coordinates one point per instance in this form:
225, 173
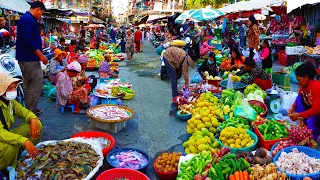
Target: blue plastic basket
112, 162
184, 117
245, 149
310, 152
274, 146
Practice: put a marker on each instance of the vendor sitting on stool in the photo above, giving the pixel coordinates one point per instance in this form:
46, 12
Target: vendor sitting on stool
209, 65
104, 70
256, 75
57, 63
27, 134
307, 104
66, 94
237, 60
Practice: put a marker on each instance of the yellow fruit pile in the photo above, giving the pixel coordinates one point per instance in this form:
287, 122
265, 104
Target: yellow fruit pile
201, 141
205, 114
235, 137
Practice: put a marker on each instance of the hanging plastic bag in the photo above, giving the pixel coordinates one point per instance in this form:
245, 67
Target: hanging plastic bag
257, 57
243, 109
288, 99
230, 83
196, 78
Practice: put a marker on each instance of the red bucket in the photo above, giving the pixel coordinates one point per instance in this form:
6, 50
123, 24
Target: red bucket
122, 173
260, 104
97, 134
165, 175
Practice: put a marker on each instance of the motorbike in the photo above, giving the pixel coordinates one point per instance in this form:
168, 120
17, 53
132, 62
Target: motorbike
163, 69
156, 40
11, 66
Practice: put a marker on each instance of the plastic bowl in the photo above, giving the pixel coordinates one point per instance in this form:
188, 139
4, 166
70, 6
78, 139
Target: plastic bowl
184, 117
165, 175
245, 149
260, 104
308, 151
122, 173
112, 163
97, 134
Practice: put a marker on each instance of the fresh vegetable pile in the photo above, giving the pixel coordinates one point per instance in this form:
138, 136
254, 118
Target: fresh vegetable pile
235, 137
255, 91
168, 162
266, 172
235, 122
227, 97
225, 63
258, 109
226, 73
259, 157
296, 162
273, 129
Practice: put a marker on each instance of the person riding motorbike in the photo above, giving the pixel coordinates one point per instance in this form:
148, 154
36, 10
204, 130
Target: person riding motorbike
194, 32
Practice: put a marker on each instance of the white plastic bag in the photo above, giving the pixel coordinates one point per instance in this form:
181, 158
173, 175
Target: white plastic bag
288, 99
257, 57
246, 52
230, 83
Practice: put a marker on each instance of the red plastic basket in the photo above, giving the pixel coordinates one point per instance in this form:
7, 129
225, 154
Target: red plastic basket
97, 134
260, 104
216, 83
115, 173
267, 144
283, 58
165, 175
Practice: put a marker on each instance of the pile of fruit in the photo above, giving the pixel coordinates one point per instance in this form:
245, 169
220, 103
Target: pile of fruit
255, 90
201, 141
226, 73
216, 52
185, 109
208, 77
259, 157
168, 162
235, 122
235, 137
272, 130
129, 93
313, 50
225, 63
266, 172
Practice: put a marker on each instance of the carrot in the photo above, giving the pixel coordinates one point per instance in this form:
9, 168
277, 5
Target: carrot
237, 175
231, 177
246, 175
241, 175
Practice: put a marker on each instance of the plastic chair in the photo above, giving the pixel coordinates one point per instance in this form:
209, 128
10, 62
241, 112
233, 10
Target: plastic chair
62, 108
269, 70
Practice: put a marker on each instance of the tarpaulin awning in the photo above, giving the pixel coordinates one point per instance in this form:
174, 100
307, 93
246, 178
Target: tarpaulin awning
154, 17
294, 4
249, 5
20, 6
97, 20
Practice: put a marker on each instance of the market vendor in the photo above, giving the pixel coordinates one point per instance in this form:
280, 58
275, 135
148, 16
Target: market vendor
81, 79
265, 54
209, 65
177, 62
205, 47
256, 75
28, 134
66, 94
307, 104
237, 60
104, 70
56, 64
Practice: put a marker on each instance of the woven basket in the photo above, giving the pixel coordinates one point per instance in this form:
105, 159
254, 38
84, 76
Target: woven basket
110, 120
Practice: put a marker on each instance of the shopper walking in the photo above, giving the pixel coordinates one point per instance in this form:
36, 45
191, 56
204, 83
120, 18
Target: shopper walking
129, 45
137, 40
253, 35
29, 46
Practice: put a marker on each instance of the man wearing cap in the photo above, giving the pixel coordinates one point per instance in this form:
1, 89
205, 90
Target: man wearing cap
177, 62
28, 134
29, 47
66, 94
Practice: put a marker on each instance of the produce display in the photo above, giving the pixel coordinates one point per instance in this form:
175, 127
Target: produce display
266, 172
227, 97
185, 109
61, 160
208, 77
296, 162
168, 162
313, 50
109, 113
201, 141
235, 137
235, 122
253, 91
273, 129
129, 159
226, 73
285, 41
282, 145
260, 156
225, 63
258, 109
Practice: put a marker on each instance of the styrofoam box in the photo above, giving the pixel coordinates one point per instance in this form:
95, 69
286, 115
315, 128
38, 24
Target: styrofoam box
296, 50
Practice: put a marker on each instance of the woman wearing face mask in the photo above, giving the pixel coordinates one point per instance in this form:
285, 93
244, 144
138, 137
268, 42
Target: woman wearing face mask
28, 134
209, 65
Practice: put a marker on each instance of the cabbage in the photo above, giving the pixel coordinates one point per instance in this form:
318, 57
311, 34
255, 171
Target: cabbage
250, 96
259, 98
258, 92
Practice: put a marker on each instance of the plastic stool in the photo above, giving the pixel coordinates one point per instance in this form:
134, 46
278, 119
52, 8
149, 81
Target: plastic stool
72, 106
268, 70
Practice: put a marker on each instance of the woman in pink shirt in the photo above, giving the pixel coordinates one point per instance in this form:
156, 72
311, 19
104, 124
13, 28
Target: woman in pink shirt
265, 55
205, 47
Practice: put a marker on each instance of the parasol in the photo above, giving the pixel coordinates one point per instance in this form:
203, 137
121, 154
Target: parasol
182, 17
206, 14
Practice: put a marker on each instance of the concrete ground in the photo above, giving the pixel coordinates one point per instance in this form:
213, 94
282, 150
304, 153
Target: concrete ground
151, 129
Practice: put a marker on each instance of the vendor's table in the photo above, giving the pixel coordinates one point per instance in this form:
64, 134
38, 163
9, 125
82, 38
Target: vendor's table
315, 57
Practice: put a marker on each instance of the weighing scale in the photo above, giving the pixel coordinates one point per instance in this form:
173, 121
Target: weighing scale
273, 101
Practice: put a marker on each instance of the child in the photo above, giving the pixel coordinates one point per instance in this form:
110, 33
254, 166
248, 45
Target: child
104, 70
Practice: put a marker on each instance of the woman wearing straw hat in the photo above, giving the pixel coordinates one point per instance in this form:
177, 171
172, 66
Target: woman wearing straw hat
56, 64
28, 134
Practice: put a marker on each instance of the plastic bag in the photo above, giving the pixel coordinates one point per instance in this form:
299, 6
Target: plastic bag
287, 100
94, 100
230, 83
243, 109
257, 57
196, 78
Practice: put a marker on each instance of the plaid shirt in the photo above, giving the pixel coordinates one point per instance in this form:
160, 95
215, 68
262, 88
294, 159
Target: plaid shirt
256, 72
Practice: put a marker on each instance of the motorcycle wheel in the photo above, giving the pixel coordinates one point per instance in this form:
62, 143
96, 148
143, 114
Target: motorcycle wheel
20, 95
163, 73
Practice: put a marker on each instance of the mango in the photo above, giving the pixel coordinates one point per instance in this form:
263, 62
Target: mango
238, 142
185, 144
215, 144
193, 149
238, 146
191, 142
202, 141
205, 131
187, 150
199, 137
208, 139
205, 119
190, 130
200, 104
199, 126
213, 129
230, 141
197, 122
232, 145
208, 124
203, 147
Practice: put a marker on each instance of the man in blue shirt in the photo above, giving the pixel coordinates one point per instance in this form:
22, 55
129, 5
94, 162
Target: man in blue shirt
28, 54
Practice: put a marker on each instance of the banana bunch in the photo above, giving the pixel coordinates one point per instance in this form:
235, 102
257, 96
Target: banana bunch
116, 92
